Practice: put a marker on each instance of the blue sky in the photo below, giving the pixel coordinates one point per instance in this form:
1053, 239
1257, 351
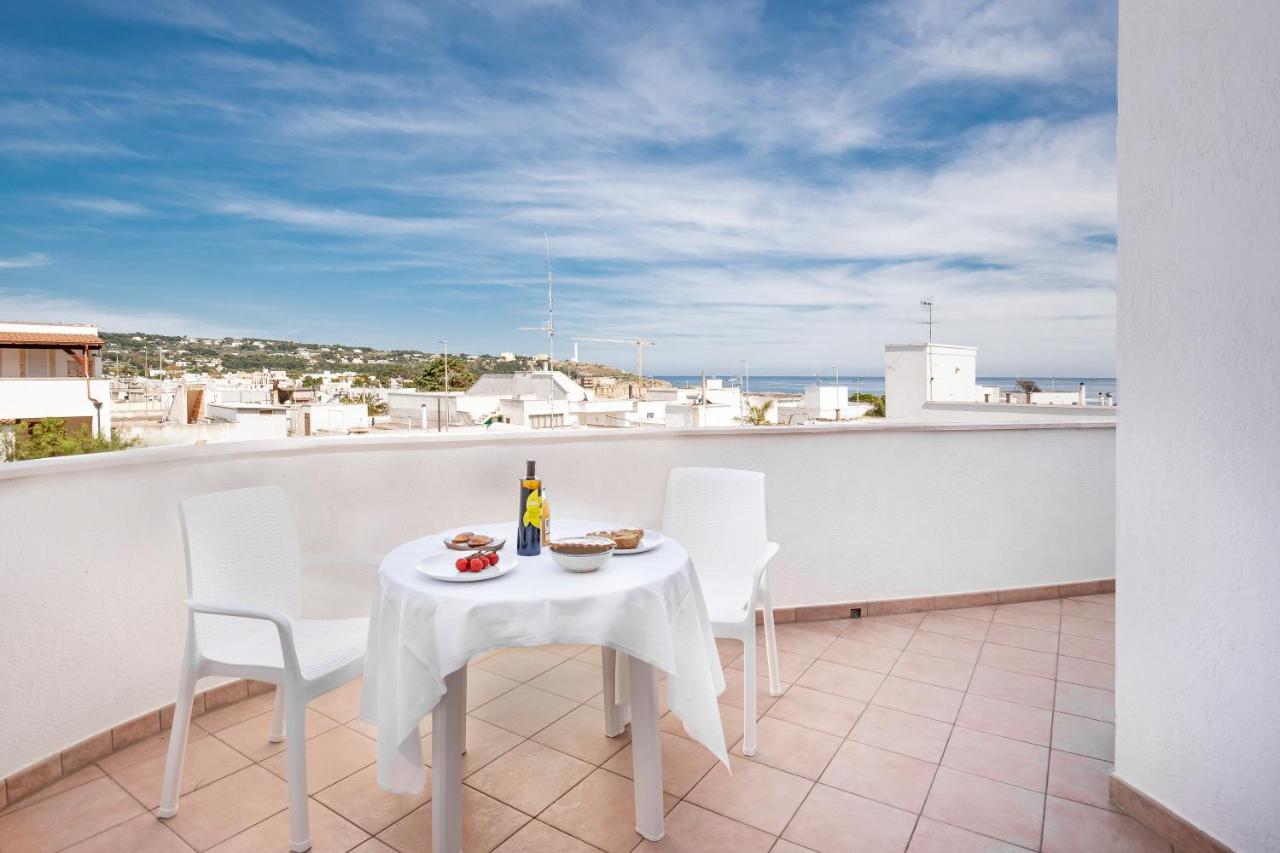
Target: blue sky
778, 182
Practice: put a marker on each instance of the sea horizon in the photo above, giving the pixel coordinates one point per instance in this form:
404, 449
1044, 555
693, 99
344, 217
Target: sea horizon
795, 384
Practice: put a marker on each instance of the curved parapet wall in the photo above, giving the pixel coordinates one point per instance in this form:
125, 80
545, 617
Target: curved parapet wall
92, 580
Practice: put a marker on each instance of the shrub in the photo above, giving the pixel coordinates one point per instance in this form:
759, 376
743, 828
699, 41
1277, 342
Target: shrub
876, 401
50, 437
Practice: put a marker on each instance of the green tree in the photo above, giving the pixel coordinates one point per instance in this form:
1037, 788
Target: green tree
759, 415
50, 437
374, 404
431, 377
311, 381
876, 402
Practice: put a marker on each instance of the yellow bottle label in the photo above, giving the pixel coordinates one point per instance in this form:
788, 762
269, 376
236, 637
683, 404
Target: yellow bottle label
533, 509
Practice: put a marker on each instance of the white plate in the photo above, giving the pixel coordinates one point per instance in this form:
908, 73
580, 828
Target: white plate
442, 567
651, 539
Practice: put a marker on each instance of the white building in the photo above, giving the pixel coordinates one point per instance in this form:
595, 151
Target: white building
54, 370
915, 374
255, 420
938, 382
831, 403
329, 418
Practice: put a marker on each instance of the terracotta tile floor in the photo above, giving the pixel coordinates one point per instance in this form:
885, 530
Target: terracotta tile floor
988, 728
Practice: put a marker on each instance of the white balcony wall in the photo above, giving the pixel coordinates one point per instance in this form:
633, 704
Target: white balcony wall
1197, 681
92, 579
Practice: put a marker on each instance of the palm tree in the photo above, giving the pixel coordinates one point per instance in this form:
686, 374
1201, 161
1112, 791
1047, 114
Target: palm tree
759, 415
374, 404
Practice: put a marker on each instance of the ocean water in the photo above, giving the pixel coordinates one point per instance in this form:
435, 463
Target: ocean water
875, 384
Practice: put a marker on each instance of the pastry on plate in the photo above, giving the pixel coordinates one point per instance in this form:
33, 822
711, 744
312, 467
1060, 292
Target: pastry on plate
625, 538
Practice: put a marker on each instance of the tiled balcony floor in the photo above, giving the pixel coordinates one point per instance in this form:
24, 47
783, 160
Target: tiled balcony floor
983, 729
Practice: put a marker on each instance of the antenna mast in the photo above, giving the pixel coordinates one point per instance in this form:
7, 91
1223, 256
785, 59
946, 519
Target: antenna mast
551, 327
927, 304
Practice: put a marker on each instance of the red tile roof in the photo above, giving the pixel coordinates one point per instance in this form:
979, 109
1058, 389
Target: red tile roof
49, 339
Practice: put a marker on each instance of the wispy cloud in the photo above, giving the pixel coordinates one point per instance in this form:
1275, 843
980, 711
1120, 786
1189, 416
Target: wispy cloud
710, 173
47, 307
330, 220
35, 259
105, 206
240, 21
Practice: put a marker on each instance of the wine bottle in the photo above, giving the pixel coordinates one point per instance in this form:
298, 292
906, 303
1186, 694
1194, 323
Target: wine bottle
529, 524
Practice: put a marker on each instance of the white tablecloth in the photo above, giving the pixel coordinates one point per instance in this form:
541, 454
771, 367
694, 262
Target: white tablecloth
648, 606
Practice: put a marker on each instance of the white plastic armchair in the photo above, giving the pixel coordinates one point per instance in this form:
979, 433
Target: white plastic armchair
244, 577
717, 514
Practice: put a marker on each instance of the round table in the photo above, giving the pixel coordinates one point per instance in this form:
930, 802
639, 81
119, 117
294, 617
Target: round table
422, 632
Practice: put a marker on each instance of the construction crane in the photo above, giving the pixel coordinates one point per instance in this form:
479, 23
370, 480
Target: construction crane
640, 344
550, 327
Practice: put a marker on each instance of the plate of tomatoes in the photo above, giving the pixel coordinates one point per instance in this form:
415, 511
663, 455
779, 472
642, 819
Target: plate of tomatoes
481, 565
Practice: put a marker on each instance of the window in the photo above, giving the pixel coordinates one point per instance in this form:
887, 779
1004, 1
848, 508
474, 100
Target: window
546, 421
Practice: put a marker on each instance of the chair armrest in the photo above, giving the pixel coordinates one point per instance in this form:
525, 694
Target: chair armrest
284, 628
353, 558
757, 573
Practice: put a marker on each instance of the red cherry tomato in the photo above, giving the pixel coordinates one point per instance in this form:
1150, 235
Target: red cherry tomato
462, 564
479, 564
493, 558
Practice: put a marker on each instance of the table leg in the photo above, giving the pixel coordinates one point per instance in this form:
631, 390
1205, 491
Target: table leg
460, 719
448, 726
615, 710
646, 750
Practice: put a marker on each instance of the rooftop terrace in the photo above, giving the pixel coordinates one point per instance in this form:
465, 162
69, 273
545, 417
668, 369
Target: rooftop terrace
986, 727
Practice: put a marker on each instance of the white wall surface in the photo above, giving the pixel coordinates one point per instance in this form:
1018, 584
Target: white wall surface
906, 379
1198, 492
54, 398
91, 614
915, 374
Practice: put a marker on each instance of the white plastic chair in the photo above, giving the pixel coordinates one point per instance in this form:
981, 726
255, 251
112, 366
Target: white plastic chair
718, 515
244, 571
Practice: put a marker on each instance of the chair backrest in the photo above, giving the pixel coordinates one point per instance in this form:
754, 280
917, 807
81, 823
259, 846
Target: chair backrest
718, 515
242, 548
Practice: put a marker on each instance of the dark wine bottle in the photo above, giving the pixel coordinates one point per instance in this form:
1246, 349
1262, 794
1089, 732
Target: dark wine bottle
529, 523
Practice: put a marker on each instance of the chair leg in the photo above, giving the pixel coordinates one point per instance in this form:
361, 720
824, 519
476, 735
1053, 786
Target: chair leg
770, 639
177, 742
295, 710
615, 712
277, 717
749, 693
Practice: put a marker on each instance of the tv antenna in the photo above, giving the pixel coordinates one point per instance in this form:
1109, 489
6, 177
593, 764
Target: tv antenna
927, 305
550, 327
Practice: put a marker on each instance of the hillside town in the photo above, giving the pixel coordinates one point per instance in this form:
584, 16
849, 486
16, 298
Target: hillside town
151, 390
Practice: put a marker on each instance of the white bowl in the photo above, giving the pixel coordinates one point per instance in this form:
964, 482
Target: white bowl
582, 562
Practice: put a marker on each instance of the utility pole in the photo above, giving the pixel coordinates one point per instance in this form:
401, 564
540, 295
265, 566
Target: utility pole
445, 345
839, 403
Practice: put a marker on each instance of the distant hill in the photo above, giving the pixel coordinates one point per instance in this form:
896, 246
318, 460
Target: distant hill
131, 353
